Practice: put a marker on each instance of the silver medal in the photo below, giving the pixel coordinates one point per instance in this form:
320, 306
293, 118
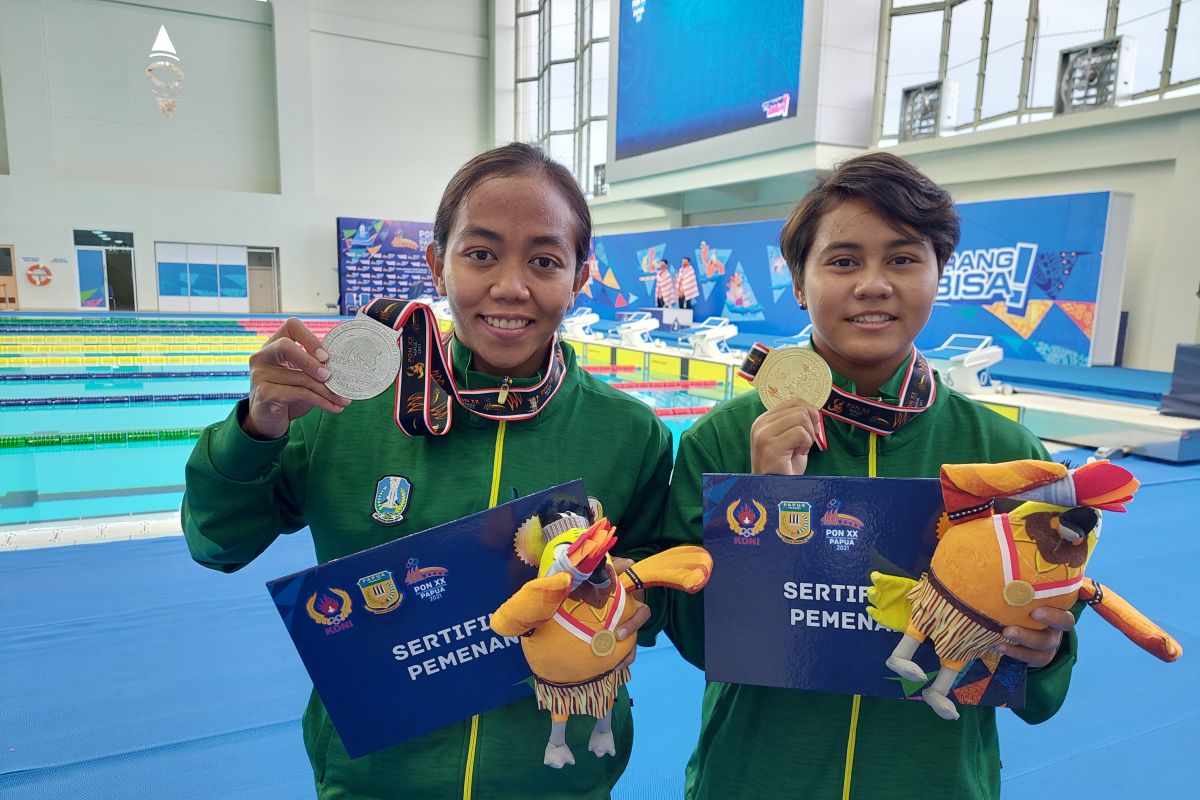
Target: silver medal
363, 358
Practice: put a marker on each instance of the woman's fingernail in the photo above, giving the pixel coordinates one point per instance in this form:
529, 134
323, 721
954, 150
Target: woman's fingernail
322, 374
622, 633
321, 354
1001, 648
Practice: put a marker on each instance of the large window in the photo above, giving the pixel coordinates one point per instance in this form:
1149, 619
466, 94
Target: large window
1003, 54
562, 81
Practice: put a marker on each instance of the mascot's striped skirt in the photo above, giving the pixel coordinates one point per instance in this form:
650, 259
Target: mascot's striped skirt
594, 697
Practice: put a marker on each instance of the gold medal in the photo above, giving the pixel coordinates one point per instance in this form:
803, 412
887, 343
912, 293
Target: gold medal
1018, 593
603, 642
793, 373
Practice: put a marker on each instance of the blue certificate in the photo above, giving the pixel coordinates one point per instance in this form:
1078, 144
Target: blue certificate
786, 605
396, 638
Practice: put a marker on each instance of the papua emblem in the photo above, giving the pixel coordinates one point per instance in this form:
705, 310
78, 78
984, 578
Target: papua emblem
391, 499
795, 522
380, 592
746, 519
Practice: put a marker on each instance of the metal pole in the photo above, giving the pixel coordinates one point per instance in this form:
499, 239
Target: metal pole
881, 64
1169, 51
1031, 27
983, 52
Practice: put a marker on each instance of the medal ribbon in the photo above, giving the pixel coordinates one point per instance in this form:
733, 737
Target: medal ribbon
1011, 563
425, 382
918, 390
581, 630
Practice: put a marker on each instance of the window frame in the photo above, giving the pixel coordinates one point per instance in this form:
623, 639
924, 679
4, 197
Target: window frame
586, 42
1024, 112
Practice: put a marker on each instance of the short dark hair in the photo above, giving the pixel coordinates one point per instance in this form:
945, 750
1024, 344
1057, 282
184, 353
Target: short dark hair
507, 160
663, 261
898, 191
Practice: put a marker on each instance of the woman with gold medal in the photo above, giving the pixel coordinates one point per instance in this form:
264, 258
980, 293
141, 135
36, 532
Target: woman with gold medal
866, 248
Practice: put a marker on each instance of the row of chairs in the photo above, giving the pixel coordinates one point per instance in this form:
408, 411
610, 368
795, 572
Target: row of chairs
963, 359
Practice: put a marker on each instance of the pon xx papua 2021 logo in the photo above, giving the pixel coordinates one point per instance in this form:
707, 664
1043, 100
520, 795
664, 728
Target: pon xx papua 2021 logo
429, 583
841, 530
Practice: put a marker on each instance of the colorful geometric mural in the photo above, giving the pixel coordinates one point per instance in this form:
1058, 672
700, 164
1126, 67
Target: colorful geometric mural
1026, 273
382, 257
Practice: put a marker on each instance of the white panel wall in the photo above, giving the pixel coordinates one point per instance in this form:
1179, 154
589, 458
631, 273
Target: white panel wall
105, 124
229, 176
846, 83
3, 136
393, 112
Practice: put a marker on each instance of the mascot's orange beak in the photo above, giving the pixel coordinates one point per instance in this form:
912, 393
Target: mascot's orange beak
588, 551
1101, 484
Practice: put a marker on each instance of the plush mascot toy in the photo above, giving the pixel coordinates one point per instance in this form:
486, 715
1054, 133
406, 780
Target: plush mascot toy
991, 570
568, 617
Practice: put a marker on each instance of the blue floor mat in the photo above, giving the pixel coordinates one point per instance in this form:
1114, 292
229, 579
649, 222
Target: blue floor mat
1130, 720
1114, 382
129, 651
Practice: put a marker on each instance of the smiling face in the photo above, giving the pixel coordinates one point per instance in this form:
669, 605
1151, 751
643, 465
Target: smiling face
509, 271
869, 290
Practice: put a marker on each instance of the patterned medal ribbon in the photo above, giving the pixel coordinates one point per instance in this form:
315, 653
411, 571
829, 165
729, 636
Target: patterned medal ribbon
1020, 590
425, 382
601, 639
918, 390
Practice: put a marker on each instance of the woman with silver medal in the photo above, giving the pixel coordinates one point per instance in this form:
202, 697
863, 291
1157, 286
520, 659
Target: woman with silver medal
312, 447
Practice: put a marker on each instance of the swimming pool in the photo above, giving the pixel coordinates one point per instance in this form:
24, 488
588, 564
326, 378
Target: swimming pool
77, 444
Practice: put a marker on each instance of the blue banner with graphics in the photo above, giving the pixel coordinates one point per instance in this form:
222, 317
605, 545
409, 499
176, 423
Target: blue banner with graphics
1026, 273
92, 280
381, 257
396, 638
786, 604
739, 270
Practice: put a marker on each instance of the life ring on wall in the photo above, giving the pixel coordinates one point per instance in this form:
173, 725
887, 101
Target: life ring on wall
39, 274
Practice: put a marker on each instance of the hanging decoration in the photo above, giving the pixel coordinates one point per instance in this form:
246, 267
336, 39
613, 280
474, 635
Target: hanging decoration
164, 73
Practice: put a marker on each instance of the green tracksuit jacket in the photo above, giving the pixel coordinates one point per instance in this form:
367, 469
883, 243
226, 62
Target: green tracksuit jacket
758, 742
242, 493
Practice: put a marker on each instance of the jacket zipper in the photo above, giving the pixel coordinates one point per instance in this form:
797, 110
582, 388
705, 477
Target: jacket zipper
856, 700
493, 499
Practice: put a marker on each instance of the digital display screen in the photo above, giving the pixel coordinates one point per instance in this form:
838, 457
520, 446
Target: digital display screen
692, 69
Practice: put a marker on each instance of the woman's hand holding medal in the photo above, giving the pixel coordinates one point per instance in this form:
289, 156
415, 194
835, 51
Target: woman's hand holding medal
793, 384
287, 379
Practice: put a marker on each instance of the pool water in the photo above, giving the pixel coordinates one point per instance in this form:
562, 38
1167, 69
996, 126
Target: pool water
82, 457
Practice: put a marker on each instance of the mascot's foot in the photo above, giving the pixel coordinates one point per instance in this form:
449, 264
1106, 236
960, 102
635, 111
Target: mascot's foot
602, 744
906, 669
558, 756
943, 706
